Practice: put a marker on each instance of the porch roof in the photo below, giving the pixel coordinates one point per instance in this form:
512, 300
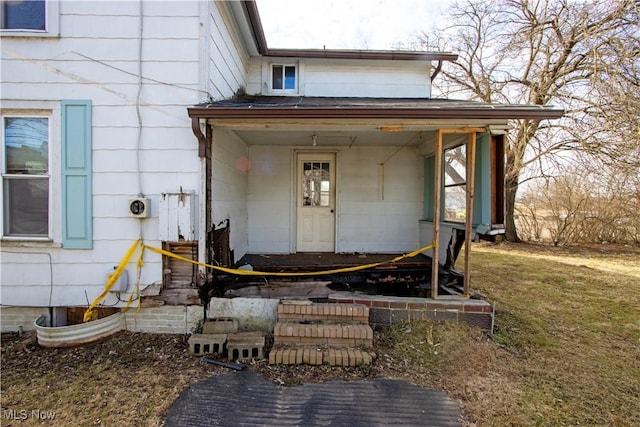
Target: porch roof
304, 107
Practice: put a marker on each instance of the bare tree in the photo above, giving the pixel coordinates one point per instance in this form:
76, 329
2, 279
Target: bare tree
590, 202
541, 52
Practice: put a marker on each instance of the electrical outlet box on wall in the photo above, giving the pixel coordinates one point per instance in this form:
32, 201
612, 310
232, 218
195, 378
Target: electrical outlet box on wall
177, 217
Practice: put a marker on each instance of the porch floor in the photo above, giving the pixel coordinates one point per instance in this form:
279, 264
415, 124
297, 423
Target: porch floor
406, 277
317, 261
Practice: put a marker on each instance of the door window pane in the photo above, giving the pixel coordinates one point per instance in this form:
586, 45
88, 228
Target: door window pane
316, 184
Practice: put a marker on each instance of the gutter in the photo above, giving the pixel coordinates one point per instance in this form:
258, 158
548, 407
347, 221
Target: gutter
255, 112
362, 54
256, 26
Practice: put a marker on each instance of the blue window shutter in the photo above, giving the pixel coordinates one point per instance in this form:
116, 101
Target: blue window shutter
77, 216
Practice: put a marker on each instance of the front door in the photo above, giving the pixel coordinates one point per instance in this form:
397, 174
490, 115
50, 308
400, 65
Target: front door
315, 202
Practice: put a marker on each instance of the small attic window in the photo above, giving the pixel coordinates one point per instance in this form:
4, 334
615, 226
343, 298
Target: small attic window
283, 77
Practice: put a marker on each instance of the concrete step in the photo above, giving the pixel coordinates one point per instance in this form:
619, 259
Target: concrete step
331, 334
320, 356
297, 311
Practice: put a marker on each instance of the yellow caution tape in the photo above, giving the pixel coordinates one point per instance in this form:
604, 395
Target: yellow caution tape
112, 280
139, 265
309, 273
88, 314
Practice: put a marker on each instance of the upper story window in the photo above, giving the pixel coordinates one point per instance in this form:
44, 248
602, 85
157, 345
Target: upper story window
455, 184
25, 176
283, 77
29, 17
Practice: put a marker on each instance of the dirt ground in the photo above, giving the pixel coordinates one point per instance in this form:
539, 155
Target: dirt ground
128, 379
564, 352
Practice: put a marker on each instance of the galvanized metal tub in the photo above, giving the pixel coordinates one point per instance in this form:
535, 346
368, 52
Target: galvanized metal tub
74, 335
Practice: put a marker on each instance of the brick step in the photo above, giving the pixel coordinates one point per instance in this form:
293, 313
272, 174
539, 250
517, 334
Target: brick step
335, 335
329, 312
320, 356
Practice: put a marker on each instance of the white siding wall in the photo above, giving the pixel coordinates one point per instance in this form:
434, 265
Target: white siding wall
227, 61
349, 78
255, 83
365, 221
377, 217
230, 179
269, 199
97, 57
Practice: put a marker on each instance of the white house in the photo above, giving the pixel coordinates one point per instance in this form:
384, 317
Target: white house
162, 120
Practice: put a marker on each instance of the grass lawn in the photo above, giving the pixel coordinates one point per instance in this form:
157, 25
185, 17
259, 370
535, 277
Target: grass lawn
566, 351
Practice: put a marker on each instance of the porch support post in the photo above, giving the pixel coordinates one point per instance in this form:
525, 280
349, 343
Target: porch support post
437, 183
468, 227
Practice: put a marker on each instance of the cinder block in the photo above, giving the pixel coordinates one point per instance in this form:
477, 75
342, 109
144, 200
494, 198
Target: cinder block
381, 316
399, 315
201, 344
220, 325
481, 320
244, 346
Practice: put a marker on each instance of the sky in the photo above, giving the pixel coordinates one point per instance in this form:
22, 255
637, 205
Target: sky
346, 24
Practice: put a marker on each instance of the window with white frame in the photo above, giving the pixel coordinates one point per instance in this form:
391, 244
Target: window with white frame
25, 176
29, 17
455, 184
283, 77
